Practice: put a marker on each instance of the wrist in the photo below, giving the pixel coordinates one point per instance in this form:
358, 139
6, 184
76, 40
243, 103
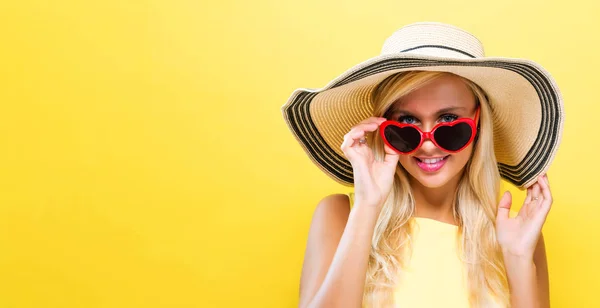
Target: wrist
368, 202
364, 216
517, 257
368, 208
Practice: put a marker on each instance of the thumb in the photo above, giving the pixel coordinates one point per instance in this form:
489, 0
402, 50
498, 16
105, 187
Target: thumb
504, 206
390, 155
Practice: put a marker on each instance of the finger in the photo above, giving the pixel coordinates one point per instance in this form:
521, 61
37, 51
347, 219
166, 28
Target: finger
367, 125
389, 150
504, 206
543, 208
348, 142
535, 192
356, 133
350, 148
545, 188
350, 151
351, 138
360, 129
391, 157
377, 120
528, 201
529, 192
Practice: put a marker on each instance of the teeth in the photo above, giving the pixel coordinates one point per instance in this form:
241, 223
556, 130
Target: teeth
433, 160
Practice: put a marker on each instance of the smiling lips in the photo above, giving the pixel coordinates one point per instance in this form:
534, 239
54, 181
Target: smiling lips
431, 164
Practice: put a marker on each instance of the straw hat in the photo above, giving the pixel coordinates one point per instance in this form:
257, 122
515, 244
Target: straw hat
526, 103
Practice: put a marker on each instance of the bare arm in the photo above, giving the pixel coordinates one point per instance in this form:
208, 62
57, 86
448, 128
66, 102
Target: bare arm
337, 254
523, 246
541, 265
528, 281
339, 240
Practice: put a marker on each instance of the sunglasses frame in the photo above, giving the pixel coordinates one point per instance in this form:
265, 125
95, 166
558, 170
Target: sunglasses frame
429, 135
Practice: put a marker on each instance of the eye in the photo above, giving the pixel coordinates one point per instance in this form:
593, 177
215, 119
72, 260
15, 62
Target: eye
407, 119
448, 117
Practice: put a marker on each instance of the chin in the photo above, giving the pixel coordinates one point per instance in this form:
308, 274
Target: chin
433, 181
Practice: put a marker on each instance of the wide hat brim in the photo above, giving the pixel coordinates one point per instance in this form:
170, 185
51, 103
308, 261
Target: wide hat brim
526, 105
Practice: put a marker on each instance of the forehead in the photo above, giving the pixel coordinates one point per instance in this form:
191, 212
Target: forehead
441, 93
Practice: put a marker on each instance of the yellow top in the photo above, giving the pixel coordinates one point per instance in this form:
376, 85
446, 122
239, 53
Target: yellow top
434, 275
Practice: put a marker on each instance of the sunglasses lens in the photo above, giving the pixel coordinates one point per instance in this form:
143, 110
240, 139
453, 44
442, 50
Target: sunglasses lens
403, 139
453, 138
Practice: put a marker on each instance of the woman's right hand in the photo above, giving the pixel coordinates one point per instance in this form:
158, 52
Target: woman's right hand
372, 179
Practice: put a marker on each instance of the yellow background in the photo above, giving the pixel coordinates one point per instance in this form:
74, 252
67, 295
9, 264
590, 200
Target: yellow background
145, 163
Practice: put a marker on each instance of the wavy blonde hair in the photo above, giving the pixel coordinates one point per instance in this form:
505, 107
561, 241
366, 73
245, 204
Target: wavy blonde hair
474, 208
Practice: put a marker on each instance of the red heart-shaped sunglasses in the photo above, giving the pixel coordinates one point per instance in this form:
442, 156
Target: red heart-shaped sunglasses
451, 137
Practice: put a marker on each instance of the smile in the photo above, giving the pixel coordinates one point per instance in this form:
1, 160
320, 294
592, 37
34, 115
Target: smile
431, 164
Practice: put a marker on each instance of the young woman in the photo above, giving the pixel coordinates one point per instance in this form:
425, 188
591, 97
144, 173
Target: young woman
424, 133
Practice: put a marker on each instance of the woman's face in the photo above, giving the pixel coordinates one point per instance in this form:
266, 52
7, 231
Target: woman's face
444, 99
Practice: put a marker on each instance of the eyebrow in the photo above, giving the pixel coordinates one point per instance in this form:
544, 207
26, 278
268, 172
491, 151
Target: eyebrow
439, 112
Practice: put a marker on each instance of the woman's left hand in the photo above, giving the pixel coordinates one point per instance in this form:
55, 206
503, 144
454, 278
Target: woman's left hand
518, 236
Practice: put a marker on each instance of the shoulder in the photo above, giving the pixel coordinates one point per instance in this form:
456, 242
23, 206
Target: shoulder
330, 218
333, 208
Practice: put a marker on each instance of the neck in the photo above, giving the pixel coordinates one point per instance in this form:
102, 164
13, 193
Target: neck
435, 203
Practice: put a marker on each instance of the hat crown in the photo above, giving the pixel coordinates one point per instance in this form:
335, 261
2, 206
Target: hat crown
433, 39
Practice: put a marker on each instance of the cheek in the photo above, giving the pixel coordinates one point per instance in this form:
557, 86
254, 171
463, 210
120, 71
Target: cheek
463, 156
405, 160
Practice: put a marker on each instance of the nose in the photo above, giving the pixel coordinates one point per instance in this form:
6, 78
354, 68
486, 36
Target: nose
428, 145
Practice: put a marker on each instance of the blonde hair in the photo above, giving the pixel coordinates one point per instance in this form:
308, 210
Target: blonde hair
474, 208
